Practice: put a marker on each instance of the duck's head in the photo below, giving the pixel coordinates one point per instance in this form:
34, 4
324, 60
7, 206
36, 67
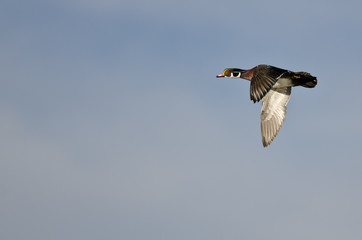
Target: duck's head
231, 73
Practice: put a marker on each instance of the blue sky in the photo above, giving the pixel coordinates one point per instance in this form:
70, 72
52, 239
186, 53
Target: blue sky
113, 125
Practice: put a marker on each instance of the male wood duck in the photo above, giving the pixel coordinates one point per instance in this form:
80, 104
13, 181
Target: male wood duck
273, 85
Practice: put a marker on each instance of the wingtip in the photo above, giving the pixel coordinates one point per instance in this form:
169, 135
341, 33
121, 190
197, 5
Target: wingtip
265, 144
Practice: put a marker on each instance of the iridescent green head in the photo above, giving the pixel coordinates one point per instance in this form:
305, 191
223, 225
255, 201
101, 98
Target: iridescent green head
231, 73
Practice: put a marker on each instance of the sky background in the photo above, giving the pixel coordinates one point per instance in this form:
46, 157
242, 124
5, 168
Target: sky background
113, 125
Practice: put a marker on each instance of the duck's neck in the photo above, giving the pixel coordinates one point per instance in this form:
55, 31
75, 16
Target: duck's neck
245, 74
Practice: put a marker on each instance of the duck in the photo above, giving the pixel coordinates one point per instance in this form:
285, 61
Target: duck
273, 86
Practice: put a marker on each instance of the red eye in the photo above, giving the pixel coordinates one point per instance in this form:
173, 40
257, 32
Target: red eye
227, 73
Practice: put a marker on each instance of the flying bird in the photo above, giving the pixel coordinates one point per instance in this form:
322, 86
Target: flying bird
273, 86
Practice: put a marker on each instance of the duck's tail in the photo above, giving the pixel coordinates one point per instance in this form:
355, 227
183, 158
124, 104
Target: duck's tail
304, 79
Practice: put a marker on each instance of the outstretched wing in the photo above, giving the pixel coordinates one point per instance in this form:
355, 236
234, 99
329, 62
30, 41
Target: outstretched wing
273, 113
264, 78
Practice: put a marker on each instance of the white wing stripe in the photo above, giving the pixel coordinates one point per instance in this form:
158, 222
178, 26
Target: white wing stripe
273, 113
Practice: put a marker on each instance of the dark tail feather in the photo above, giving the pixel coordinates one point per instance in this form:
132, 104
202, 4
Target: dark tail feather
305, 79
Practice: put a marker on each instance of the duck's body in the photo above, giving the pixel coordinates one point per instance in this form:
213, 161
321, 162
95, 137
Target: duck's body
273, 86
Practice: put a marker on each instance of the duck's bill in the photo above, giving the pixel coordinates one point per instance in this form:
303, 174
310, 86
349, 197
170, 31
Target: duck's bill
221, 75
